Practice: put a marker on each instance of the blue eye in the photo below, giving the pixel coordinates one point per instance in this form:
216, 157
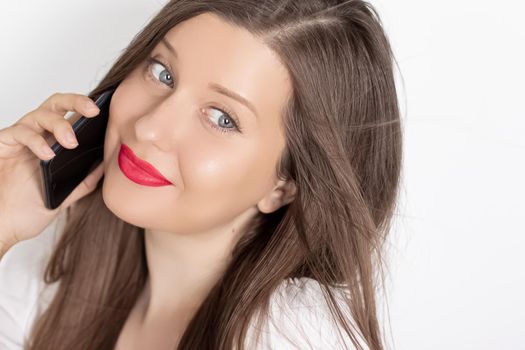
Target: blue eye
160, 70
165, 74
230, 123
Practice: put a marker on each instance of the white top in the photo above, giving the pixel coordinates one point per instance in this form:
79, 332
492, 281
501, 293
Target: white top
298, 313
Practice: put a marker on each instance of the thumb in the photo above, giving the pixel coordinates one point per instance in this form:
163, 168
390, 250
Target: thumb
85, 187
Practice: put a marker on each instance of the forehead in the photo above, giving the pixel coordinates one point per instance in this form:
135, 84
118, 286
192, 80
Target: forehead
211, 50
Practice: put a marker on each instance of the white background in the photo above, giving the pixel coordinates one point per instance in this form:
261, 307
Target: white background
457, 263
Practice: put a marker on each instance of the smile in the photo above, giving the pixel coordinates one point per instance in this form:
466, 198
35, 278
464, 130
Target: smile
138, 170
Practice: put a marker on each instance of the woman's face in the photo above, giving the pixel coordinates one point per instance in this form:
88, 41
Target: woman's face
218, 153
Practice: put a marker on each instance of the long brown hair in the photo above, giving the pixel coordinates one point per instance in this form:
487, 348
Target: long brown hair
343, 152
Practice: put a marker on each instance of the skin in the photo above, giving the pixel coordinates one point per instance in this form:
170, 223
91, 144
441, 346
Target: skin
221, 179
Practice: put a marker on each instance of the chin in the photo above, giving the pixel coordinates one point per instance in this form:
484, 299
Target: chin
124, 210
113, 193
125, 202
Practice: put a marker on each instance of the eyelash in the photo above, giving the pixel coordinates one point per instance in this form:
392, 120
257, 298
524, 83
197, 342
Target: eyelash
151, 61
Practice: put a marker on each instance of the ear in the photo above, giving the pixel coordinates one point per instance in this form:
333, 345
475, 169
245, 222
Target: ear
282, 194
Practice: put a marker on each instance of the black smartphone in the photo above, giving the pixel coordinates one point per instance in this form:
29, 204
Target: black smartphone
69, 167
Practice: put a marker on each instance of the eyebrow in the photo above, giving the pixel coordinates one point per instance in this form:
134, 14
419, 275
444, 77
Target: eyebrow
217, 87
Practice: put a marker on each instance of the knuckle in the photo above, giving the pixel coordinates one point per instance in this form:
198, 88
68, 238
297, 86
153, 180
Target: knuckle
53, 100
31, 119
30, 114
56, 95
50, 99
18, 127
19, 133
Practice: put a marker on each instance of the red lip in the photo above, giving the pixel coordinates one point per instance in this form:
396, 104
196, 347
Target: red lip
138, 170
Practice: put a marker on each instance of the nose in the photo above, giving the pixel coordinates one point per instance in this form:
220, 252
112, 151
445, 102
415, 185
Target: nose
162, 122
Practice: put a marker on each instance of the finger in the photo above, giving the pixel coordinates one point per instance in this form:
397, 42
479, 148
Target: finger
34, 119
61, 128
61, 103
19, 134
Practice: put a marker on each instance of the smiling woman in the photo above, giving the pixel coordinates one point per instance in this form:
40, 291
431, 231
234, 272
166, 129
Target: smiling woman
251, 167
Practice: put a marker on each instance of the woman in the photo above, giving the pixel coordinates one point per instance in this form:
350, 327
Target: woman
276, 128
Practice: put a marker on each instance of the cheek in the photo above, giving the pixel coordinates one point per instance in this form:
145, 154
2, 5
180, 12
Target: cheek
118, 109
209, 167
235, 175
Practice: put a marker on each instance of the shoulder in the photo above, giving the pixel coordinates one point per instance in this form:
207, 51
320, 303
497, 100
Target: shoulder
23, 292
300, 317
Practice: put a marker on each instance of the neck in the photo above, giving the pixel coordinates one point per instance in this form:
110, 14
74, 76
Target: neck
184, 268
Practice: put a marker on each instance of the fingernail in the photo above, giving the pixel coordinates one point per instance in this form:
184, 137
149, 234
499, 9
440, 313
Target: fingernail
91, 106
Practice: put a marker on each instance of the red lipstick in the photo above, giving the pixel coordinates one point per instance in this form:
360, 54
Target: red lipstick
138, 170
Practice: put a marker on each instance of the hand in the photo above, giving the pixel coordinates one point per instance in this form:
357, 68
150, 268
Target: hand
23, 214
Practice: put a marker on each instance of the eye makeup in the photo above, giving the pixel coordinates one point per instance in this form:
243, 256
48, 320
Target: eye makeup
151, 61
